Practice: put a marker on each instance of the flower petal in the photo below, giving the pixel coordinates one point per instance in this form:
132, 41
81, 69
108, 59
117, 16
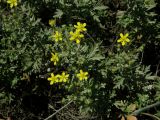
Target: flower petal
127, 40
52, 75
123, 43
77, 41
121, 35
51, 83
78, 23
119, 40
81, 71
126, 35
86, 73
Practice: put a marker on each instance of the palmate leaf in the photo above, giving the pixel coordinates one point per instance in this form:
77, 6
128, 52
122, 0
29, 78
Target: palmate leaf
58, 13
119, 84
94, 53
96, 18
149, 4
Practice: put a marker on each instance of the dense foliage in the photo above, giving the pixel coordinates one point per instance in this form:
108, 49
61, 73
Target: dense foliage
100, 56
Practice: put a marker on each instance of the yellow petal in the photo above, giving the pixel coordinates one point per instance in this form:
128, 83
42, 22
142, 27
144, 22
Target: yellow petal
81, 71
123, 43
78, 75
11, 5
126, 35
15, 4
119, 40
8, 1
77, 41
52, 75
86, 73
84, 29
64, 80
63, 73
121, 35
127, 40
71, 38
71, 33
51, 83
81, 35
78, 23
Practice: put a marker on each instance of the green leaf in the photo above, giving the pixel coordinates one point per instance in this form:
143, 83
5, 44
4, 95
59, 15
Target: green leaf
94, 53
119, 82
149, 4
96, 18
14, 81
97, 57
36, 22
102, 7
58, 13
150, 77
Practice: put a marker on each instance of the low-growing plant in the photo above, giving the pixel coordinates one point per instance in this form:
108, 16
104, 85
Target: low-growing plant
69, 56
117, 81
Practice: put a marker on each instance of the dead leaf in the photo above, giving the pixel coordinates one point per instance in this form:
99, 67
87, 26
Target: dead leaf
25, 77
9, 118
122, 118
131, 117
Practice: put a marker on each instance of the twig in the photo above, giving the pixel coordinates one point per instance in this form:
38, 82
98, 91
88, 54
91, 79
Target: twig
150, 115
58, 111
137, 112
157, 70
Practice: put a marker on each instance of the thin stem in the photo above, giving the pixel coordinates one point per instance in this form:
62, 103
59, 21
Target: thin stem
58, 111
137, 112
150, 115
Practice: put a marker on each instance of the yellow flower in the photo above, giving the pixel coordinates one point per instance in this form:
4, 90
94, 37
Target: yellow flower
76, 36
63, 77
52, 22
58, 78
53, 79
123, 39
12, 3
80, 27
82, 75
57, 36
54, 58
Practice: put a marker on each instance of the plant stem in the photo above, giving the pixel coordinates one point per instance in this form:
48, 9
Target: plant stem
58, 111
137, 112
150, 115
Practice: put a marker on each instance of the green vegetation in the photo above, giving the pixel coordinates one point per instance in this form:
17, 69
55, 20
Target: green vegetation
79, 59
